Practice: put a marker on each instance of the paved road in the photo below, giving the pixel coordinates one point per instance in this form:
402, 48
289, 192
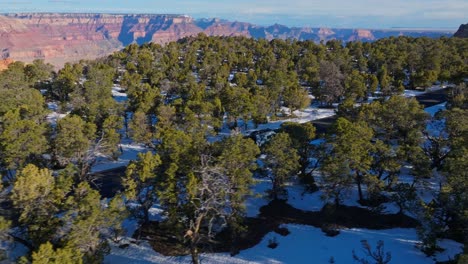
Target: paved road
109, 182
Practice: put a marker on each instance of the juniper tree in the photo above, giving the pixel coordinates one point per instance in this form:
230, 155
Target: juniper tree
140, 129
74, 143
39, 197
139, 183
301, 136
351, 145
46, 254
281, 162
68, 214
236, 156
20, 139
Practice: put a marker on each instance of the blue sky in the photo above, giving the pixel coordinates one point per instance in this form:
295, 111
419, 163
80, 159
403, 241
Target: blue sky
331, 13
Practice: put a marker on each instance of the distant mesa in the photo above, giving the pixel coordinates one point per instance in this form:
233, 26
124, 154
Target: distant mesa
462, 32
60, 37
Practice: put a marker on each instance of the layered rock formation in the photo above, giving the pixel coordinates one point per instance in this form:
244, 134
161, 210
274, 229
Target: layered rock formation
462, 32
59, 38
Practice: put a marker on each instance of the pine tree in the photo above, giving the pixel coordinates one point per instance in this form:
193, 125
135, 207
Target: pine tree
47, 255
140, 129
74, 141
66, 83
301, 136
20, 140
90, 222
37, 198
139, 183
110, 136
351, 146
281, 162
236, 156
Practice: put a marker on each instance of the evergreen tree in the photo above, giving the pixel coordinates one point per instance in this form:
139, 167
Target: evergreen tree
91, 223
20, 140
301, 136
66, 82
139, 183
237, 156
75, 142
38, 198
281, 162
47, 255
140, 129
352, 146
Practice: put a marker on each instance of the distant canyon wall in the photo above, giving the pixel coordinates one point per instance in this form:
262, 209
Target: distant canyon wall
59, 38
462, 32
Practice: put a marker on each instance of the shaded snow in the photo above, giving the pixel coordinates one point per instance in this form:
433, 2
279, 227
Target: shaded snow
412, 93
118, 95
53, 117
436, 108
302, 116
259, 197
129, 152
305, 244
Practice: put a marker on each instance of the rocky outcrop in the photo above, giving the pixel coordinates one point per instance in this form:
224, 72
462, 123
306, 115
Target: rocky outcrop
59, 38
4, 64
462, 32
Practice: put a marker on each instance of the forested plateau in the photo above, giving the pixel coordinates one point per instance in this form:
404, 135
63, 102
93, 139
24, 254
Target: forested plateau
191, 106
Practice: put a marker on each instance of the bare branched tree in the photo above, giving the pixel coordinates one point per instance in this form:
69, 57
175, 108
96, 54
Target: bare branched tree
211, 205
378, 256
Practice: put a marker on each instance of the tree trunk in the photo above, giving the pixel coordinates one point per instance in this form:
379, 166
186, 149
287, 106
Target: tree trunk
337, 201
194, 253
126, 124
304, 164
274, 189
358, 181
146, 215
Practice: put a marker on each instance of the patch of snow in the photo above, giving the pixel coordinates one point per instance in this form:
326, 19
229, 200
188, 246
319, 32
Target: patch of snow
436, 108
130, 225
129, 152
52, 106
304, 244
299, 198
258, 198
302, 116
413, 93
53, 117
156, 213
118, 95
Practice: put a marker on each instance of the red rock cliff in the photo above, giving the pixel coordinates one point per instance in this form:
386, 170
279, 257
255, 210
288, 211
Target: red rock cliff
59, 38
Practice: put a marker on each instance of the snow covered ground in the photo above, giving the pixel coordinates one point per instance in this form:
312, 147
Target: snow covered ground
301, 116
305, 244
434, 109
412, 93
118, 95
54, 116
130, 152
313, 112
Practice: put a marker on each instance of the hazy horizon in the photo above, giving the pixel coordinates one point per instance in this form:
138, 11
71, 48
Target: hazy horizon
299, 13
